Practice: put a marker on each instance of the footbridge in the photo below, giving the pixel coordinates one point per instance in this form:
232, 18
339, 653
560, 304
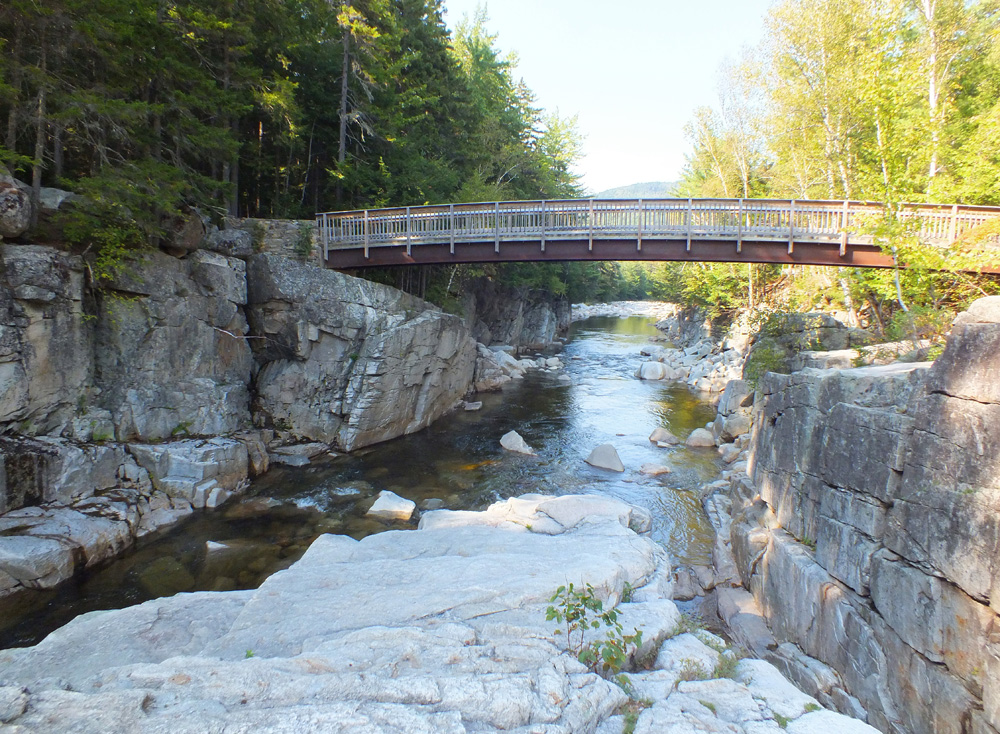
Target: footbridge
708, 230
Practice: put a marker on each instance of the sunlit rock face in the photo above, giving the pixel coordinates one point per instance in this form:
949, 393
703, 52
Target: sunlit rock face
443, 629
347, 361
868, 530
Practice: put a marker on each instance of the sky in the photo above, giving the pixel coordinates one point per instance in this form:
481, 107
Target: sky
633, 71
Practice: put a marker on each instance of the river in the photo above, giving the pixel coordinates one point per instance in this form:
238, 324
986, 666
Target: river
458, 460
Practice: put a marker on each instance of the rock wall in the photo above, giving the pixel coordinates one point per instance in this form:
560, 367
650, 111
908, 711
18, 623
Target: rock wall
868, 531
351, 362
171, 351
123, 410
515, 317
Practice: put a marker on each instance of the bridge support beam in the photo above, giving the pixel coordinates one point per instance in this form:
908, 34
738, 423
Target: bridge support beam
679, 250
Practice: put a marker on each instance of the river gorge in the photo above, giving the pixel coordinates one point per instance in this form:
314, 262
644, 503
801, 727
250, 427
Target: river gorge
204, 439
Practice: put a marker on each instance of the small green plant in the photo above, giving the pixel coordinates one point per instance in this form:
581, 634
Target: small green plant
303, 245
709, 705
726, 667
761, 361
692, 670
258, 237
781, 720
181, 428
627, 593
688, 622
810, 707
582, 611
249, 654
808, 542
631, 711
101, 436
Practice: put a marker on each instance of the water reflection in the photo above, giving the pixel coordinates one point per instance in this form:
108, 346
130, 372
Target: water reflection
457, 462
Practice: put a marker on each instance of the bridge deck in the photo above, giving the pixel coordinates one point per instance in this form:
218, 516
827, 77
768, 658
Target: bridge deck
714, 230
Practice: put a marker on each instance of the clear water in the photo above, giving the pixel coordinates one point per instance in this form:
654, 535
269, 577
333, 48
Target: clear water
458, 460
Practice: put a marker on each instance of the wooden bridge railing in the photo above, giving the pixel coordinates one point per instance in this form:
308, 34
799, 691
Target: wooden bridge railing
733, 220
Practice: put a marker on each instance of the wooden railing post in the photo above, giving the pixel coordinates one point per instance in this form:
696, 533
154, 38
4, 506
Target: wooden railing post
791, 227
688, 248
543, 225
451, 227
366, 233
953, 229
638, 245
590, 244
843, 229
409, 232
326, 236
496, 224
739, 230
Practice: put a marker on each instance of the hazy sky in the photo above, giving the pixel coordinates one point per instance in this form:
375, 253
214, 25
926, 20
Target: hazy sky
633, 70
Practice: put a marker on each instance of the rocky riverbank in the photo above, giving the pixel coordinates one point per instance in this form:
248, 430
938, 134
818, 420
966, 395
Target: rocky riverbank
856, 548
128, 407
442, 629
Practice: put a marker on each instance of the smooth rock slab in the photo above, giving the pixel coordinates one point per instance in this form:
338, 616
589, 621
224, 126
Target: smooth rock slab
605, 457
390, 506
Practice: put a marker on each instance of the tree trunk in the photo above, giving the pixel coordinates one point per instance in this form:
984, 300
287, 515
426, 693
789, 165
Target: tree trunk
342, 146
38, 164
11, 140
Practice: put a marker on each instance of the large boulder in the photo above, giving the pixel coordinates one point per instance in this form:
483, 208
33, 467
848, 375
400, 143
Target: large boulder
605, 456
15, 210
348, 361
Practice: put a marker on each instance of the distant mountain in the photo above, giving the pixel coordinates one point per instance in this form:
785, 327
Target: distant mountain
650, 190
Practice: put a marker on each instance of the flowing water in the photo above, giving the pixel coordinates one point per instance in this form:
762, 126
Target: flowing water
458, 460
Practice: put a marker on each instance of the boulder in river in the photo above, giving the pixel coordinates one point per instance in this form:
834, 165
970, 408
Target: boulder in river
390, 506
654, 470
662, 435
512, 441
699, 438
605, 457
652, 371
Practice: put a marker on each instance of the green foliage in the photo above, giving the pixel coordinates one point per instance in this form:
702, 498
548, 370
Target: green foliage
782, 721
181, 429
583, 612
727, 665
687, 623
303, 245
248, 654
762, 359
692, 670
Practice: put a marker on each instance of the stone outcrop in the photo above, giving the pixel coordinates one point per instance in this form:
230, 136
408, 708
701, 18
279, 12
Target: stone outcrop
46, 344
437, 630
867, 532
15, 207
348, 361
517, 317
156, 367
172, 355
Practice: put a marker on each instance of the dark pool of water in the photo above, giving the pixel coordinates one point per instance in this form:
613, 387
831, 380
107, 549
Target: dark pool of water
457, 460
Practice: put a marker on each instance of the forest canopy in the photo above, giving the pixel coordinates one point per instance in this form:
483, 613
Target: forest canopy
269, 108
